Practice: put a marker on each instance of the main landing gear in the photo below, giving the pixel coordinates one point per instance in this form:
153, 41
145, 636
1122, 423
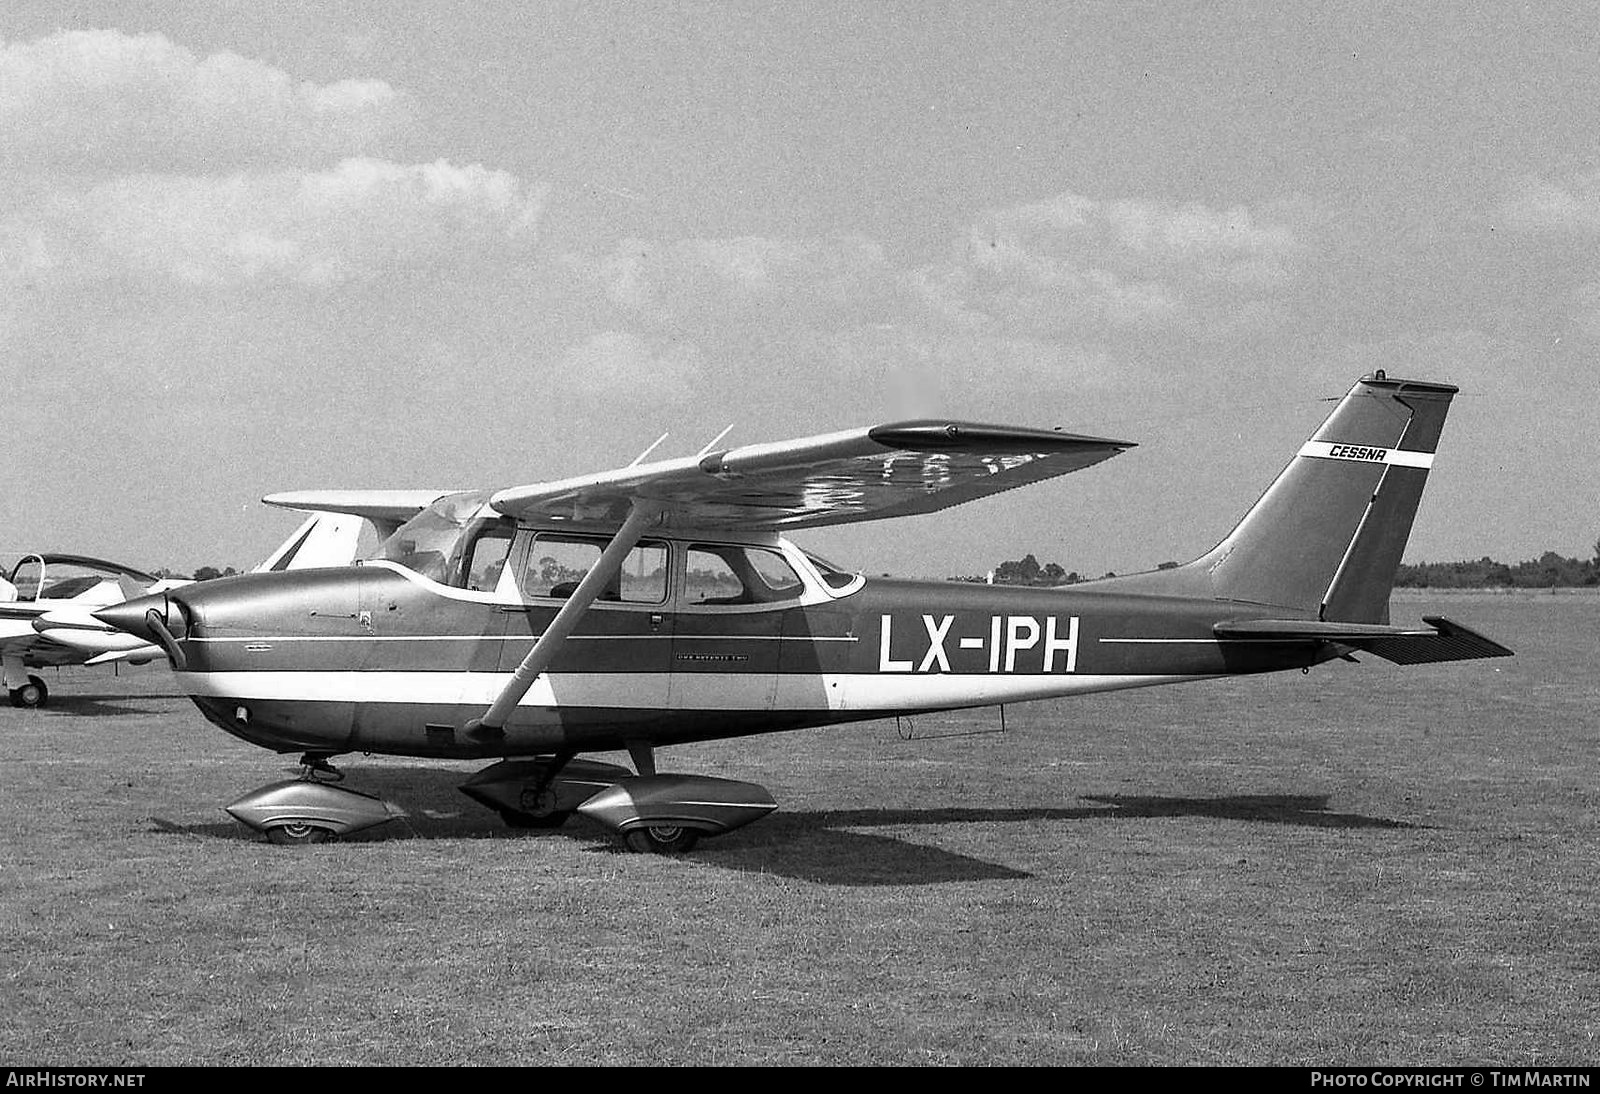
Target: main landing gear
648, 812
31, 695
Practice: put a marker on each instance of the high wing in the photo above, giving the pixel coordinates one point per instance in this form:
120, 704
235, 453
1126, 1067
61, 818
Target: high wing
386, 509
894, 470
883, 471
331, 534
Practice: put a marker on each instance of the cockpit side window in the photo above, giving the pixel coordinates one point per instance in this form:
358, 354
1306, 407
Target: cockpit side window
485, 557
732, 574
459, 540
38, 578
28, 576
559, 561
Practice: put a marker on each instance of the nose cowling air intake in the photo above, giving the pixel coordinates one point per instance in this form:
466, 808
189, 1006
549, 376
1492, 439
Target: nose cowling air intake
157, 618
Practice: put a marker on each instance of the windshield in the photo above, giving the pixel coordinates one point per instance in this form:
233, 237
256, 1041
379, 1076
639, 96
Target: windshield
458, 540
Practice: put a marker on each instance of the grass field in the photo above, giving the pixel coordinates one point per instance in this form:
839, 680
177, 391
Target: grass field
1369, 865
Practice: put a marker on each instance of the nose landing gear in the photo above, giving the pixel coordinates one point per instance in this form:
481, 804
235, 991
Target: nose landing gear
310, 809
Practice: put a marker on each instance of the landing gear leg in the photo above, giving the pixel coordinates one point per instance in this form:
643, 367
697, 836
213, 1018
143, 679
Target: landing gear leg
643, 757
537, 800
26, 690
542, 792
316, 768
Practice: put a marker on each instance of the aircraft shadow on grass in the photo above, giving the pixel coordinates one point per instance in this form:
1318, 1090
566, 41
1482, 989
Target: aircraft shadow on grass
100, 706
828, 847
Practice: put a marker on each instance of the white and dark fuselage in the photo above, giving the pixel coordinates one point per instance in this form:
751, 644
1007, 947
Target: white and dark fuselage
376, 658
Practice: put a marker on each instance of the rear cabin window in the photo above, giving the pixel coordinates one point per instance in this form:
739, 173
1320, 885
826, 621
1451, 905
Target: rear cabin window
558, 563
728, 574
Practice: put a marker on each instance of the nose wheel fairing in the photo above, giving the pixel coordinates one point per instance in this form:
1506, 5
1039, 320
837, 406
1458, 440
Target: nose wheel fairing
309, 811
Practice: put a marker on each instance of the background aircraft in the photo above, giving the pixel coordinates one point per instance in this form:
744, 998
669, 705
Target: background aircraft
47, 601
660, 603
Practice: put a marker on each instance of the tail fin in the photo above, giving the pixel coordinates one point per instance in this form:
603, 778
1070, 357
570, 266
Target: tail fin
1327, 536
324, 539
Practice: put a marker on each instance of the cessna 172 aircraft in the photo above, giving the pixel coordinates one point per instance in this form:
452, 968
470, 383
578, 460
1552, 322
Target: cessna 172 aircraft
48, 600
660, 603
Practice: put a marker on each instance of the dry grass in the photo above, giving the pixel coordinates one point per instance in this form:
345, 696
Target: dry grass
1372, 865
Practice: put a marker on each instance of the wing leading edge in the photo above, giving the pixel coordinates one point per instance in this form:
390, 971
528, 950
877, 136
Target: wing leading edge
894, 470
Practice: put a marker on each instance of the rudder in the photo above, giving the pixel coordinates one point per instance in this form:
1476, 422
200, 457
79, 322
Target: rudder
1328, 535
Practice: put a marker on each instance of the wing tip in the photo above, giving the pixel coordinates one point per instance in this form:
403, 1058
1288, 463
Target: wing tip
935, 434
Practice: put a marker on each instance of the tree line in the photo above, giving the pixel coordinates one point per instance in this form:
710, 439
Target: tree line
1549, 570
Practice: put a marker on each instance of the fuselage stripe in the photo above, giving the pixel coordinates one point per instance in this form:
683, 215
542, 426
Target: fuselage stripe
887, 692
666, 636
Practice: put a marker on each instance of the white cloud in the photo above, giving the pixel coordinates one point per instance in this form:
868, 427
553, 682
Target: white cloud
1070, 266
930, 368
1073, 263
356, 221
104, 100
1571, 205
1039, 292
706, 279
617, 367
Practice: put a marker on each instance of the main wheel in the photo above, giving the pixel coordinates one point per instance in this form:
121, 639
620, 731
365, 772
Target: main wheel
30, 695
298, 832
661, 839
515, 818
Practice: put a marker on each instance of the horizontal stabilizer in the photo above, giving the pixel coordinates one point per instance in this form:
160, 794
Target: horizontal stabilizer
1447, 641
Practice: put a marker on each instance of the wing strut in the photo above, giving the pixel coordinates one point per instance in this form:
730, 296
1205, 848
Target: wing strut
492, 724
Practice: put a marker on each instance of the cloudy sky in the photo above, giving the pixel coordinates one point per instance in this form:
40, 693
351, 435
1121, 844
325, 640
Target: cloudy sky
269, 245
